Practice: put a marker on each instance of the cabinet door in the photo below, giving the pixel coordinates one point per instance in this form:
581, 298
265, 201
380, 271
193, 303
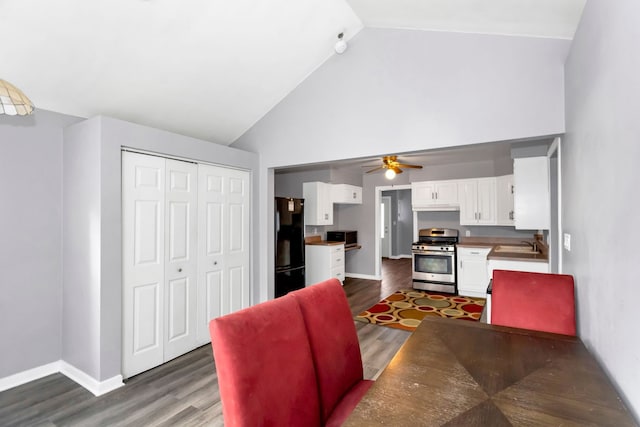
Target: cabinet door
318, 201
486, 201
422, 194
143, 237
472, 271
181, 258
531, 198
345, 193
223, 246
504, 200
468, 196
446, 193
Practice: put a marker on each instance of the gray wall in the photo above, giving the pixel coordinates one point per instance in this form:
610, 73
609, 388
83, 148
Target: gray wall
603, 134
64, 194
401, 91
30, 256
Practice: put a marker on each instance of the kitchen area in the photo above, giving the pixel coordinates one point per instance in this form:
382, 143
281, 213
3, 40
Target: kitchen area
501, 211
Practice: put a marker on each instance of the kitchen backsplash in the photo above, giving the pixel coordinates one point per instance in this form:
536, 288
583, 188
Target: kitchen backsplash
451, 219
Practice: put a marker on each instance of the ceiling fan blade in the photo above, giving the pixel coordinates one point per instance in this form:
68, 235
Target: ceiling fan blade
396, 169
375, 169
402, 165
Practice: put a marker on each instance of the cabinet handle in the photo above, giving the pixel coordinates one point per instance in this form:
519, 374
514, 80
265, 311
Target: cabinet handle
512, 189
511, 215
436, 195
338, 259
479, 215
179, 270
215, 262
460, 264
474, 253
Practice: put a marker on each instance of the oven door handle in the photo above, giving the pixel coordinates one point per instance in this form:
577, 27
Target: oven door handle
434, 253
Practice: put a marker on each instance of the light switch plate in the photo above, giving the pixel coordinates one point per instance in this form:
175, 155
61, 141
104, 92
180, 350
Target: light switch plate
567, 241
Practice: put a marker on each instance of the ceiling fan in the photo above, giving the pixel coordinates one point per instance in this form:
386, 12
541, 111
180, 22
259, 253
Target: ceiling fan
392, 166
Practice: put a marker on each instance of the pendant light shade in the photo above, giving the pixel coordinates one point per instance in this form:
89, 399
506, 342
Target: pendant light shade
13, 101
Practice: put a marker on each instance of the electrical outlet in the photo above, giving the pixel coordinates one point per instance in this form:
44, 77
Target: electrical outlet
467, 233
567, 241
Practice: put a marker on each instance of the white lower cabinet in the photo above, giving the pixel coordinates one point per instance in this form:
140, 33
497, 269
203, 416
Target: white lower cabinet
472, 271
501, 264
323, 262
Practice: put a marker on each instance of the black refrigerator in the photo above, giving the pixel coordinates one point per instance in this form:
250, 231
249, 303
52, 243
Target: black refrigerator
289, 233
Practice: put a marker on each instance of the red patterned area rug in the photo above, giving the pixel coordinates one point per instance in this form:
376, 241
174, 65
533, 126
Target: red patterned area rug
405, 309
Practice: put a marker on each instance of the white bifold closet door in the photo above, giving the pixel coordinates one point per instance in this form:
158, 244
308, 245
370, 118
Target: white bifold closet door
159, 260
223, 244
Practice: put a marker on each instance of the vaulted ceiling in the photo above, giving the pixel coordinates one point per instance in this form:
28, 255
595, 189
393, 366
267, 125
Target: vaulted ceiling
210, 68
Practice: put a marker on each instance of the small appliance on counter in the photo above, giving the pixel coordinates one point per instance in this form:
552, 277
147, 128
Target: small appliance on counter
350, 238
289, 245
434, 260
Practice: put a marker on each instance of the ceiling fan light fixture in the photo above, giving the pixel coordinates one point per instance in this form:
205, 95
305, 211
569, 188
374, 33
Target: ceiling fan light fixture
390, 174
13, 101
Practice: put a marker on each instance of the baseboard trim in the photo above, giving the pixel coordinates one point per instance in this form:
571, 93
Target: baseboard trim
363, 276
29, 375
98, 388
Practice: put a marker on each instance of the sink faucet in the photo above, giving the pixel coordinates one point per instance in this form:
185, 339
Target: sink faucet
534, 245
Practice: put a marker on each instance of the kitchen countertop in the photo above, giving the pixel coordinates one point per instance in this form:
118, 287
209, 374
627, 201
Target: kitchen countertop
317, 240
493, 242
324, 243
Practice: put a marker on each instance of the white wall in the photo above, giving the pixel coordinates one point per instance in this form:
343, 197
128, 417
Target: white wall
400, 91
30, 255
600, 178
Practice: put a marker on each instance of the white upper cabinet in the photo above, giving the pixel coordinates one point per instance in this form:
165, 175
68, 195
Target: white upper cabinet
504, 197
531, 197
318, 209
345, 193
434, 195
477, 201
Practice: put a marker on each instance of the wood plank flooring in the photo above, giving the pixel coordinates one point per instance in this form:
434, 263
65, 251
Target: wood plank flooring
184, 391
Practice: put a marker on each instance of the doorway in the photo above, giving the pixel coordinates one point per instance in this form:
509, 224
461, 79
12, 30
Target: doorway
386, 231
400, 224
555, 193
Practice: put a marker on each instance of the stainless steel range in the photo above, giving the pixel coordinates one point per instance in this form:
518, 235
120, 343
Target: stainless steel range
434, 260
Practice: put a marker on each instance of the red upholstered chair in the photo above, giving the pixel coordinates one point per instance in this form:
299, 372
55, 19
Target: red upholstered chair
335, 349
265, 366
538, 301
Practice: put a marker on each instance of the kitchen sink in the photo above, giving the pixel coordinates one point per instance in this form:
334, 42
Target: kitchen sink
520, 249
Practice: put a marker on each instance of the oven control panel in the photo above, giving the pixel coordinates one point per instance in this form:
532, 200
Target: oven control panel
436, 248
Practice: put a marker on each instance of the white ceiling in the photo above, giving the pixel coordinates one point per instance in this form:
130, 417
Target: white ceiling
211, 68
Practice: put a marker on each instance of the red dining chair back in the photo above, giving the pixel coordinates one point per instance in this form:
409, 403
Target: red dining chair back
265, 366
335, 349
537, 301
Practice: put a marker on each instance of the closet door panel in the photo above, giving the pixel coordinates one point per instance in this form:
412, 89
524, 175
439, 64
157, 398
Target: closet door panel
237, 257
223, 262
143, 182
212, 219
180, 330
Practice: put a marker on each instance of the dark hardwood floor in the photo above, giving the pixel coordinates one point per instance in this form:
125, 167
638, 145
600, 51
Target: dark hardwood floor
184, 391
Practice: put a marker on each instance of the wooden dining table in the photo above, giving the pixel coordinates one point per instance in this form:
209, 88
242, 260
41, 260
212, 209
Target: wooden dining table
455, 372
